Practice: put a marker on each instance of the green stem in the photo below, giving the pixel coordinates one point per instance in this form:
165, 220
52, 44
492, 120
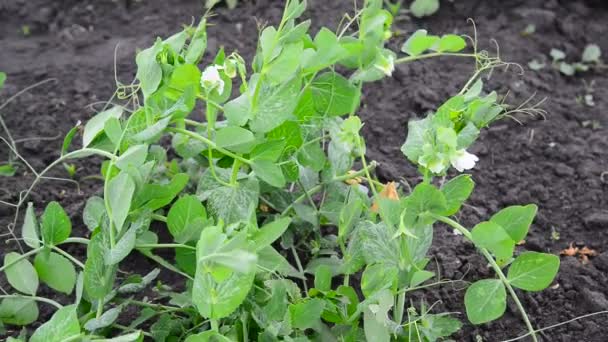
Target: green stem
300, 268
319, 187
236, 166
432, 54
367, 173
210, 144
69, 256
164, 245
158, 217
496, 268
99, 308
214, 325
37, 250
36, 298
400, 308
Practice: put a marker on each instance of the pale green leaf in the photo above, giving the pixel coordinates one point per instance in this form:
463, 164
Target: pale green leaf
20, 274
97, 123
56, 271
533, 271
29, 230
120, 194
269, 172
485, 301
516, 220
63, 325
18, 311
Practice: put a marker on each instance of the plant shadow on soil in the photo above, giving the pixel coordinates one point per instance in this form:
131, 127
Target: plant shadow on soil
557, 163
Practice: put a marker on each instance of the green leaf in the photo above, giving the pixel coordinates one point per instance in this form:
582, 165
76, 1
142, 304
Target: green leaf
434, 327
272, 260
96, 124
7, 170
149, 72
423, 8
198, 43
122, 248
493, 237
270, 232
378, 277
485, 301
323, 275
229, 203
56, 225
286, 64
29, 230
238, 110
56, 271
334, 95
120, 194
269, 150
418, 133
451, 43
456, 191
312, 156
269, 172
532, 271
2, 79
63, 325
377, 244
134, 156
592, 53
105, 320
275, 105
98, 277
418, 43
67, 141
306, 314
516, 220
93, 212
328, 52
420, 277
218, 298
18, 311
375, 318
425, 199
113, 130
185, 212
233, 136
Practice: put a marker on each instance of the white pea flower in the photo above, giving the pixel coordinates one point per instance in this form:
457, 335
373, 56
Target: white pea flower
211, 79
463, 160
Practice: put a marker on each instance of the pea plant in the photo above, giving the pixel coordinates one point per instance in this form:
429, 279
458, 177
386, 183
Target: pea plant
276, 222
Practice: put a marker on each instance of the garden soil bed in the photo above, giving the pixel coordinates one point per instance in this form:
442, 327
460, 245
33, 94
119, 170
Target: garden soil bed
557, 163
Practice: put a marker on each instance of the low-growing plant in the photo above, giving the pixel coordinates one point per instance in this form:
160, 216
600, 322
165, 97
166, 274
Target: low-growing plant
590, 58
274, 233
418, 8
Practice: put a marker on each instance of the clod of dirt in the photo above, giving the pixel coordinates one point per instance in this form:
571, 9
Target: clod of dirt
597, 220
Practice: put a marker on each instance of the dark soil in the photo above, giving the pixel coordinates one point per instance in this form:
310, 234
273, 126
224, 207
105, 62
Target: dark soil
557, 163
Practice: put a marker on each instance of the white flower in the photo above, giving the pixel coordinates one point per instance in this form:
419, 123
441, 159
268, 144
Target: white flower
463, 160
211, 79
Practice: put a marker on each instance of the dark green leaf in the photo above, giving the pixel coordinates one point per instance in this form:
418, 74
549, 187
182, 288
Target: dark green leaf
306, 314
456, 191
56, 225
269, 172
334, 95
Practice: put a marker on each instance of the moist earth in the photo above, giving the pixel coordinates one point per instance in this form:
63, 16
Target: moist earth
559, 162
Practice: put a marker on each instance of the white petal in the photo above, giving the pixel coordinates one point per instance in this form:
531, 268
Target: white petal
210, 79
463, 160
